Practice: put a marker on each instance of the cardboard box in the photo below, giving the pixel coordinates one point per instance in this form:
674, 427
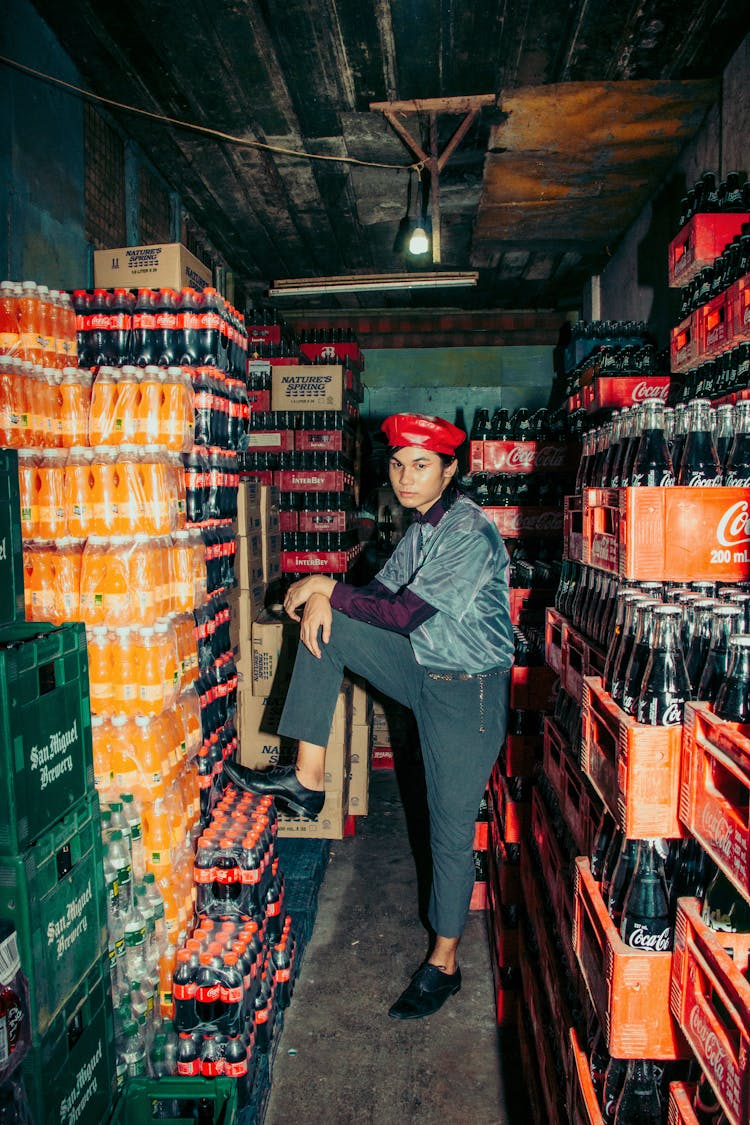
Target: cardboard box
362, 702
257, 507
271, 560
338, 749
274, 645
359, 770
257, 722
328, 826
248, 567
244, 607
308, 388
380, 728
167, 265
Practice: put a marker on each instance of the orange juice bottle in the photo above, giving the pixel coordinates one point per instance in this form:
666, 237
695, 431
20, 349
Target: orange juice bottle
150, 407
56, 357
39, 573
166, 637
189, 704
178, 435
157, 839
106, 597
125, 671
68, 334
177, 503
29, 323
52, 520
9, 331
29, 485
128, 489
7, 404
150, 680
75, 402
79, 492
143, 566
127, 404
103, 772
32, 417
46, 326
101, 671
182, 572
123, 747
103, 407
154, 481
105, 516
68, 577
200, 574
57, 406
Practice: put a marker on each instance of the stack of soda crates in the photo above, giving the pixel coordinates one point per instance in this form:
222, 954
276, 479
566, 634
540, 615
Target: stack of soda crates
51, 882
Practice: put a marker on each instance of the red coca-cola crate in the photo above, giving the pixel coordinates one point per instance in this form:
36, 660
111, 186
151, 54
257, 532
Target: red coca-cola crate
288, 520
573, 527
628, 988
262, 476
522, 752
674, 534
553, 634
314, 480
683, 344
319, 562
583, 1104
529, 604
634, 768
710, 998
715, 327
556, 749
701, 240
503, 938
580, 657
521, 456
514, 522
580, 808
478, 900
738, 297
681, 1110
715, 790
506, 874
545, 1053
382, 758
531, 689
334, 353
263, 334
607, 392
338, 441
270, 441
323, 521
480, 836
258, 401
555, 874
512, 816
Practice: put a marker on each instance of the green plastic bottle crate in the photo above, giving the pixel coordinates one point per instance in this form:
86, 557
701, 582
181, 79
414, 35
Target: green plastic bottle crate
46, 763
11, 546
69, 1073
144, 1099
54, 895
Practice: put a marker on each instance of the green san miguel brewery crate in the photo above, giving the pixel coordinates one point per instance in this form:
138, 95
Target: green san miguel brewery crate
11, 547
54, 894
69, 1072
46, 762
177, 1101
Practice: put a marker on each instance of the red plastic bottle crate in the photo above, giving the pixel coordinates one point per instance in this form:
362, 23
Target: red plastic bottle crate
634, 768
553, 634
710, 998
629, 989
551, 970
506, 874
529, 604
715, 326
701, 240
531, 689
543, 1058
573, 527
270, 441
715, 790
739, 301
681, 1110
606, 392
514, 522
522, 752
503, 938
512, 456
683, 344
675, 534
555, 873
556, 749
512, 816
584, 1107
529, 1065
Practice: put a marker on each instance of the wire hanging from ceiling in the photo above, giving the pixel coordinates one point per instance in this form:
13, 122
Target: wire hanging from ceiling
205, 129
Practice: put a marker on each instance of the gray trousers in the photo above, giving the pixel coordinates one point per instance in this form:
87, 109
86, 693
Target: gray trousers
461, 721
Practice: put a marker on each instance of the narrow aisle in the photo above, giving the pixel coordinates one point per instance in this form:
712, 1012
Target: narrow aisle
350, 1063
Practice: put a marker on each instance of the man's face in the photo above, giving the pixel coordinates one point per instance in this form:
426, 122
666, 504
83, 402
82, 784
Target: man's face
418, 477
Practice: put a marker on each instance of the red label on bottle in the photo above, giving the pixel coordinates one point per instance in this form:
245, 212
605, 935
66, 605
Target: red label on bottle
209, 320
183, 991
212, 1068
225, 875
207, 993
231, 995
191, 320
203, 874
262, 1016
190, 1068
166, 320
235, 1069
143, 321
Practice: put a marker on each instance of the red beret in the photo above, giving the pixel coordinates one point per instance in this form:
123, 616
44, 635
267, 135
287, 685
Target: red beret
423, 430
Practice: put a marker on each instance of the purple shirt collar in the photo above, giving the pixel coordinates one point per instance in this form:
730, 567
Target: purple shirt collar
433, 515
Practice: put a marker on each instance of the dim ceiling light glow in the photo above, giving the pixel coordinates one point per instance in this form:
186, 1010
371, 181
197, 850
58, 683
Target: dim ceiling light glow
418, 243
370, 283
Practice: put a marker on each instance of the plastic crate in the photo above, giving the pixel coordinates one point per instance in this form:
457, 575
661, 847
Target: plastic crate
715, 326
573, 527
516, 521
675, 534
584, 1107
680, 1111
45, 729
69, 1073
531, 689
553, 633
629, 989
503, 937
545, 1054
11, 543
738, 296
512, 816
54, 894
710, 997
522, 752
633, 767
701, 240
579, 807
715, 791
510, 456
552, 969
527, 604
555, 872
176, 1100
607, 392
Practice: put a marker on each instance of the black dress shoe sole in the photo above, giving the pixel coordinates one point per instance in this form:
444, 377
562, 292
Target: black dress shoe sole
293, 807
413, 1014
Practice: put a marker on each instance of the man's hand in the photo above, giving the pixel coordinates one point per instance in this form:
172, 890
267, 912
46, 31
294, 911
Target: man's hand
317, 618
299, 592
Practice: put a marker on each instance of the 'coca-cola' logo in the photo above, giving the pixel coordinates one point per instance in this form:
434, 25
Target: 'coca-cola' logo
713, 1052
550, 457
718, 829
521, 456
640, 937
733, 526
673, 715
645, 390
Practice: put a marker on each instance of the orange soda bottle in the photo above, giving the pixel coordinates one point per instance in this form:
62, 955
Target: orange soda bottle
189, 704
68, 577
153, 473
143, 563
166, 639
149, 426
125, 671
150, 682
103, 772
101, 672
105, 513
39, 580
103, 406
9, 330
125, 425
79, 492
52, 520
29, 323
9, 379
68, 335
75, 403
157, 839
28, 482
106, 593
46, 326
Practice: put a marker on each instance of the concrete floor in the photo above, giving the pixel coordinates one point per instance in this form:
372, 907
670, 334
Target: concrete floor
341, 1059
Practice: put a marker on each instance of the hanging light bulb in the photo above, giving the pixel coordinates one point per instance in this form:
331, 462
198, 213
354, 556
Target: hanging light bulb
419, 242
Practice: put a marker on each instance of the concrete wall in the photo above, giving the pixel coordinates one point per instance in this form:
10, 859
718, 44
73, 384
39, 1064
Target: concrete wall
634, 284
41, 158
444, 380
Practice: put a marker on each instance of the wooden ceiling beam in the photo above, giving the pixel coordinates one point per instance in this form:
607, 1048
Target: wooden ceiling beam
437, 105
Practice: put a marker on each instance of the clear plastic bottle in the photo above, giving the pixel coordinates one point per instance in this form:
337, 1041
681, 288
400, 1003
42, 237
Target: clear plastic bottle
135, 944
118, 854
132, 815
132, 1050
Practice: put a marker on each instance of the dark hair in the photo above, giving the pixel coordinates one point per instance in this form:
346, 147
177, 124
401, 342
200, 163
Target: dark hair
452, 490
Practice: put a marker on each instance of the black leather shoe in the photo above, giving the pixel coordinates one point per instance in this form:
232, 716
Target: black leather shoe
430, 987
281, 783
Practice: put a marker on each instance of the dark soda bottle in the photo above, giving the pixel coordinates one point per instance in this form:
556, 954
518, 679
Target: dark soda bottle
481, 430
737, 474
120, 324
725, 430
620, 881
627, 641
189, 1055
610, 861
99, 334
700, 640
699, 465
166, 332
500, 425
666, 686
631, 449
183, 990
645, 923
613, 1083
520, 424
189, 309
733, 696
706, 1105
82, 306
642, 641
210, 328
639, 1102
725, 621
652, 466
601, 844
143, 347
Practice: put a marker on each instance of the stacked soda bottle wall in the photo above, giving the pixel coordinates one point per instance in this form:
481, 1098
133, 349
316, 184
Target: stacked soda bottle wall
519, 467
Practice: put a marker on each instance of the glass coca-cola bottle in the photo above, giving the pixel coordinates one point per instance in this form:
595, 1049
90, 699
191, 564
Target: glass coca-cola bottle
706, 1105
645, 923
733, 697
610, 862
613, 1084
588, 449
699, 466
724, 908
679, 433
630, 450
598, 1062
737, 473
627, 641
639, 656
639, 1101
623, 597
481, 429
666, 686
700, 640
741, 599
724, 623
621, 876
725, 430
500, 425
520, 424
652, 466
602, 840
621, 439
612, 431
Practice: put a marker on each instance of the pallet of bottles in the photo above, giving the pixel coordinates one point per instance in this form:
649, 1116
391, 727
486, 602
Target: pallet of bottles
691, 534
333, 351
521, 456
715, 790
549, 1052
627, 339
579, 805
710, 998
634, 767
629, 988
700, 241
